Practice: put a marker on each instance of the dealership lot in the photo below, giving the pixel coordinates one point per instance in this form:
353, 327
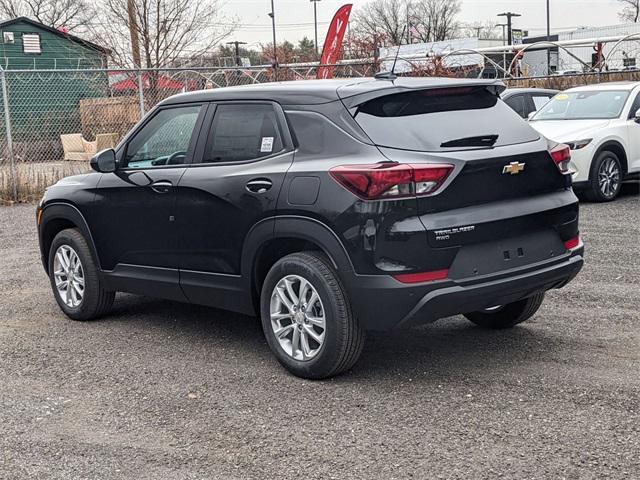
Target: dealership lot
167, 390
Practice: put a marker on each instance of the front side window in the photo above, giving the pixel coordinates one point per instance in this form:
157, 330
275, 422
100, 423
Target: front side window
164, 140
243, 132
584, 105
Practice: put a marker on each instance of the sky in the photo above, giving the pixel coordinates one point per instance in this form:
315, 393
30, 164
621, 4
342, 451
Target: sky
294, 18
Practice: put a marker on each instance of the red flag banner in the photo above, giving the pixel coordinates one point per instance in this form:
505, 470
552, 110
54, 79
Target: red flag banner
332, 50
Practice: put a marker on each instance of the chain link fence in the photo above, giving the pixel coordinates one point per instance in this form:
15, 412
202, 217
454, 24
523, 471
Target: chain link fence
53, 121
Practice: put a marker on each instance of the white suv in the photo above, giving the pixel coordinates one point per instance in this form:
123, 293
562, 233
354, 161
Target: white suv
601, 125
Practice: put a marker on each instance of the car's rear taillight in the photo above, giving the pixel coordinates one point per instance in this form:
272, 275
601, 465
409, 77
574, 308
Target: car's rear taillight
391, 180
561, 155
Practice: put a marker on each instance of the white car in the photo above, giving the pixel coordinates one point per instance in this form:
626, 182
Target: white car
601, 125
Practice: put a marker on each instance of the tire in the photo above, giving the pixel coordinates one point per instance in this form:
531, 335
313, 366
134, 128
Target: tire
94, 300
605, 178
509, 315
341, 337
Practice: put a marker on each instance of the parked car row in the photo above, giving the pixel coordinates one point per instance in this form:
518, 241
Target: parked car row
601, 125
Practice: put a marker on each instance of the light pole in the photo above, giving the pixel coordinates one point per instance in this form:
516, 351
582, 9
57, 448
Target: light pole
548, 40
315, 24
272, 14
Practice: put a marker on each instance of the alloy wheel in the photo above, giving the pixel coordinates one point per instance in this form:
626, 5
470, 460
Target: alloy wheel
68, 275
609, 177
297, 317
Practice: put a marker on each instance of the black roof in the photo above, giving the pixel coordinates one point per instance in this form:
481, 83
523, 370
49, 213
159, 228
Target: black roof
309, 92
55, 31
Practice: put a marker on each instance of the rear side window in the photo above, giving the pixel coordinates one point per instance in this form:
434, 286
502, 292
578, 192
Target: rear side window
442, 120
517, 104
243, 132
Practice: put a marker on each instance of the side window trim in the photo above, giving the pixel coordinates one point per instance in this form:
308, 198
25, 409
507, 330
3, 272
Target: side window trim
206, 131
122, 151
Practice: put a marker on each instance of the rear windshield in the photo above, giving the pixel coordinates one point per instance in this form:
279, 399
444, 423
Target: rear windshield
442, 119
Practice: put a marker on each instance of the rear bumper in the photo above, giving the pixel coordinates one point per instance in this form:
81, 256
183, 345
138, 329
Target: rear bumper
382, 303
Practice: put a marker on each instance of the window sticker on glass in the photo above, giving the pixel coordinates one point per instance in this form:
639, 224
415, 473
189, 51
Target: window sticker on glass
267, 144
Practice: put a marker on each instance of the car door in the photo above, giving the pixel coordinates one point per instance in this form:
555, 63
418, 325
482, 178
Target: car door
633, 135
133, 210
242, 157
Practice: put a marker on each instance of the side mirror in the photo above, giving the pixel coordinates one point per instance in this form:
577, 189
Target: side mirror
104, 161
636, 116
531, 114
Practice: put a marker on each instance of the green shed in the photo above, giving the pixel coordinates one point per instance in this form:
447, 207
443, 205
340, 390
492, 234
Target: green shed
27, 44
48, 72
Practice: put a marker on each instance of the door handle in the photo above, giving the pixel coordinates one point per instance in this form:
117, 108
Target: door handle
161, 186
259, 185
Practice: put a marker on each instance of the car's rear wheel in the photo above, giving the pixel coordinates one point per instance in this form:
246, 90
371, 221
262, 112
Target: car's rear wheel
605, 180
75, 278
307, 319
509, 315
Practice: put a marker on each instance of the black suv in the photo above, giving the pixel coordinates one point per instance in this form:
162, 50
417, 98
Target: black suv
327, 207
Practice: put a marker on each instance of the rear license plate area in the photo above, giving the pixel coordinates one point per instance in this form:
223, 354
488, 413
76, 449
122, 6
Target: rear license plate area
504, 254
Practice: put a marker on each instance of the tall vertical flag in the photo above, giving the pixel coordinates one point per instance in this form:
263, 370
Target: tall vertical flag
332, 50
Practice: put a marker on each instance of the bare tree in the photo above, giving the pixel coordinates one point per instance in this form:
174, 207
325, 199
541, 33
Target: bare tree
167, 30
486, 30
386, 17
436, 19
69, 14
631, 11
422, 20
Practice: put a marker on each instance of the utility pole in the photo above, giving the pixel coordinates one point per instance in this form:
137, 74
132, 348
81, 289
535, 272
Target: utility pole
504, 42
548, 40
315, 24
272, 14
509, 15
237, 50
133, 32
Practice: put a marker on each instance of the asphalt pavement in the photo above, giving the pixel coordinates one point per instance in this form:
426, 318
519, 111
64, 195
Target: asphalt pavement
163, 390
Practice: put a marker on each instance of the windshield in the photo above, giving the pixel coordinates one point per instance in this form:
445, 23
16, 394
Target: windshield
442, 119
584, 105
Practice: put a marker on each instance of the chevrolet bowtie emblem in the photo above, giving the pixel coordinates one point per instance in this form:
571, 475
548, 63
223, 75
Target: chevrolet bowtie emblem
513, 168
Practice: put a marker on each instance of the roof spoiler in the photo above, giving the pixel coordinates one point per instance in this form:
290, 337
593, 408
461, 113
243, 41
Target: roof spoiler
496, 87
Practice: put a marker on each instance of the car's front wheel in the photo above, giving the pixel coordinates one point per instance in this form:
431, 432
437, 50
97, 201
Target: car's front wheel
605, 180
307, 319
509, 315
75, 277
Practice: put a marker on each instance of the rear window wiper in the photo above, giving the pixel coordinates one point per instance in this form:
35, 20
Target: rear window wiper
479, 141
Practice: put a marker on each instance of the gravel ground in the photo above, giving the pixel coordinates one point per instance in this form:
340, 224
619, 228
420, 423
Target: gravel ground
167, 390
